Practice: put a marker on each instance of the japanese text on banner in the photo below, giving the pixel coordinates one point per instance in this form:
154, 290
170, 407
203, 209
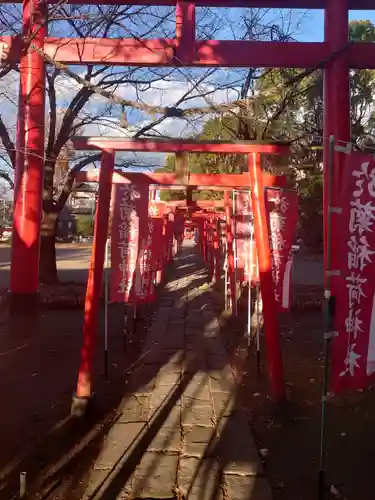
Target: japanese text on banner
282, 209
354, 347
129, 227
244, 238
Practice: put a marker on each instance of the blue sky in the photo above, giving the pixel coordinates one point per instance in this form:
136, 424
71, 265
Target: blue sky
310, 28
313, 25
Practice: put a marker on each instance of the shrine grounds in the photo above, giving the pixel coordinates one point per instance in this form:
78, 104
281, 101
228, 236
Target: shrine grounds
38, 375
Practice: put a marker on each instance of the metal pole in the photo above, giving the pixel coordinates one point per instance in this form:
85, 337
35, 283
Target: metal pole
258, 327
235, 309
249, 289
22, 484
134, 325
106, 269
329, 327
226, 275
230, 256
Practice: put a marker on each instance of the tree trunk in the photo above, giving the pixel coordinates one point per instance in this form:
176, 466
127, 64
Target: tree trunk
47, 261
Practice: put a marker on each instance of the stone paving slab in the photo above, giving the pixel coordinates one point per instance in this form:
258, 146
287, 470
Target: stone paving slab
198, 441
135, 408
179, 432
247, 487
155, 477
118, 444
200, 479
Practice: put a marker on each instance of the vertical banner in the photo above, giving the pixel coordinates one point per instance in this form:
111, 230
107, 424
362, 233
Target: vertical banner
169, 238
282, 212
353, 360
244, 241
210, 249
149, 261
157, 224
179, 228
163, 252
157, 208
199, 224
128, 241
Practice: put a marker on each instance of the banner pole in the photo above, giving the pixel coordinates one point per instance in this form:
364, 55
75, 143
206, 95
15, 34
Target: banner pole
226, 276
329, 317
234, 305
258, 327
106, 266
249, 287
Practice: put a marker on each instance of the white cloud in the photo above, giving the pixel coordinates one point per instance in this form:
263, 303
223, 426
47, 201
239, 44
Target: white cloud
160, 93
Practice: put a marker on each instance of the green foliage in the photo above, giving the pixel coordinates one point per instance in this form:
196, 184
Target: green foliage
285, 107
85, 225
207, 163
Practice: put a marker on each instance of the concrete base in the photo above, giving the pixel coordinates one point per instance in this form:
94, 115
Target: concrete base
80, 406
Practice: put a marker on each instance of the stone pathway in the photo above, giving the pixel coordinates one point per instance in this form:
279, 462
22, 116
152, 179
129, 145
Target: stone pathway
179, 432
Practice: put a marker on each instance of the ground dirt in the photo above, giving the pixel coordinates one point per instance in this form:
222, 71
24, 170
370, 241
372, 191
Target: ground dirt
38, 376
288, 435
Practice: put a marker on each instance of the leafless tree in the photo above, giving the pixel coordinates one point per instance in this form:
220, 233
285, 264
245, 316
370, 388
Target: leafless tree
74, 107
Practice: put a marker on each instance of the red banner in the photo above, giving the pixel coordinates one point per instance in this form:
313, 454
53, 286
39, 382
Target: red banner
157, 208
169, 239
149, 261
353, 363
282, 211
247, 260
157, 242
128, 241
210, 229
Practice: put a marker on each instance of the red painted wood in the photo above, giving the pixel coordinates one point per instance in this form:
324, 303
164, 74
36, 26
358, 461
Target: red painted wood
185, 32
336, 112
197, 204
271, 327
218, 268
268, 4
95, 278
177, 146
202, 180
230, 250
228, 53
24, 273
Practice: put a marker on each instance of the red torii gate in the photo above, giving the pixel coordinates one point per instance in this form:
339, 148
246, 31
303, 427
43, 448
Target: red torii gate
255, 179
335, 55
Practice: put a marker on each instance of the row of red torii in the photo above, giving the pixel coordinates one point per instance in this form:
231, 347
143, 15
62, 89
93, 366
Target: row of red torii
335, 56
106, 177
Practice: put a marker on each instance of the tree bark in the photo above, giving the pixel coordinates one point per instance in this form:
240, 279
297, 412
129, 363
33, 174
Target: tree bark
47, 260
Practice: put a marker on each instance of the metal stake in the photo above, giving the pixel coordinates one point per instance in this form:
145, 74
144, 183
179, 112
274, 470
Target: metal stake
249, 288
258, 326
134, 318
329, 313
226, 279
234, 300
22, 484
106, 269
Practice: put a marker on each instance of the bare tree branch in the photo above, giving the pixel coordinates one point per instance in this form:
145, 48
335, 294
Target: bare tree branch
69, 181
7, 142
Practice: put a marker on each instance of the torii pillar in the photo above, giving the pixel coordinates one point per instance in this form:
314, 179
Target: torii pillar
29, 165
336, 120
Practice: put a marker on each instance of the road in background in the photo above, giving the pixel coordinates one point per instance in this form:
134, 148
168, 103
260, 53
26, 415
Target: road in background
72, 262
